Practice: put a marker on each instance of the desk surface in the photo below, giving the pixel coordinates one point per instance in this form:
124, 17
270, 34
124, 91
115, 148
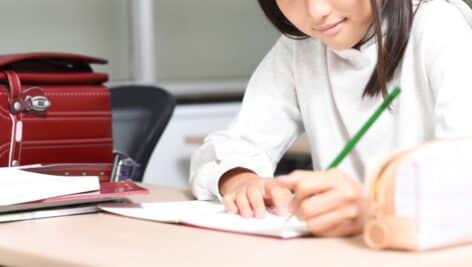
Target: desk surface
109, 240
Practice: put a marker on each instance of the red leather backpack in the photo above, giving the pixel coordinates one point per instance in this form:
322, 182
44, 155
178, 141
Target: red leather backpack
55, 111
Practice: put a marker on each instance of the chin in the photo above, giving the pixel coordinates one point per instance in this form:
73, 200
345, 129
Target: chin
341, 42
340, 45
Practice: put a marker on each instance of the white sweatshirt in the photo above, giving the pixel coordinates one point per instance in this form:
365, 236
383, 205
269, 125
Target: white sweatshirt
305, 87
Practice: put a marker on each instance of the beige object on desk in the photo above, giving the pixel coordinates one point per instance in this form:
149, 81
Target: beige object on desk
109, 240
421, 198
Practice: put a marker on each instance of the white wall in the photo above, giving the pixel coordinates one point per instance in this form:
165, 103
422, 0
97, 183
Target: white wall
95, 27
211, 40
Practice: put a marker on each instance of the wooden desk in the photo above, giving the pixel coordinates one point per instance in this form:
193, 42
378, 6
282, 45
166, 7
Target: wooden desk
109, 240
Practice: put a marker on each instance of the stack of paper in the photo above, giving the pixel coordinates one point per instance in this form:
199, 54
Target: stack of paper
18, 186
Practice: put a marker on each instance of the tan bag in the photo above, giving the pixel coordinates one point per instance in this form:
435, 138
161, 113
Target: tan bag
422, 198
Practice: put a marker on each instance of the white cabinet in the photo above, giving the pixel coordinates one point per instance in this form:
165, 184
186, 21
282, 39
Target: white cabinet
170, 161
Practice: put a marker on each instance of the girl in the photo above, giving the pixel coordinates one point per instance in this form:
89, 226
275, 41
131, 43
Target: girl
324, 77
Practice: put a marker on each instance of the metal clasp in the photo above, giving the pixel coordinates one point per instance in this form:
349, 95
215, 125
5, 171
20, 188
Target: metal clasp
37, 103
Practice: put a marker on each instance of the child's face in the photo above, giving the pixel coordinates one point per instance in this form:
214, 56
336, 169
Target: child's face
340, 24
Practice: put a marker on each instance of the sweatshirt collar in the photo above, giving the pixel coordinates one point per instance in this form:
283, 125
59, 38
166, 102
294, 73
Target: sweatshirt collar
363, 56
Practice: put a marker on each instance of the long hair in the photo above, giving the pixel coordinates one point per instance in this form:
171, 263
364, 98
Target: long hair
398, 16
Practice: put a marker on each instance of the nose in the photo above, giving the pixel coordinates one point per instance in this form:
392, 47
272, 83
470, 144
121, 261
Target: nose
318, 9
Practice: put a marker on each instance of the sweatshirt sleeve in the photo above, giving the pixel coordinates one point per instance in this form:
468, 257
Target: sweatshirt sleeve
267, 124
448, 46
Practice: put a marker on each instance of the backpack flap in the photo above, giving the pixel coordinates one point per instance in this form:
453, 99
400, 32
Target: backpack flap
52, 68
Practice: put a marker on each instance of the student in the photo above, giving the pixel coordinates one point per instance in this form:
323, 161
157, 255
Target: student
325, 76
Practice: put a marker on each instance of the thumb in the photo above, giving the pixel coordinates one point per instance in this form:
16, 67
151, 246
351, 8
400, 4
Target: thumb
287, 181
278, 198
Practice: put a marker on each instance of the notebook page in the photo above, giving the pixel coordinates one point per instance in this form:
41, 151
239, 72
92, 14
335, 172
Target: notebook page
171, 212
209, 215
17, 186
270, 225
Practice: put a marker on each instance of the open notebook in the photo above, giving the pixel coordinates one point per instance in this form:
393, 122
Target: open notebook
210, 215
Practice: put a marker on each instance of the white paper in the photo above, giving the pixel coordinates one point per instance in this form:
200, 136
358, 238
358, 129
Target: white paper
18, 186
270, 225
171, 212
211, 215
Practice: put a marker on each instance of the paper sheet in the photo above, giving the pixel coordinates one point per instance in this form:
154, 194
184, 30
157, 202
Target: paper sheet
211, 215
17, 186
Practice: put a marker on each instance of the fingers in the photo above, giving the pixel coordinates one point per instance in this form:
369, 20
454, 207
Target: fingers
278, 198
256, 201
336, 223
306, 184
230, 205
291, 180
329, 201
347, 228
306, 188
243, 205
251, 200
248, 202
317, 205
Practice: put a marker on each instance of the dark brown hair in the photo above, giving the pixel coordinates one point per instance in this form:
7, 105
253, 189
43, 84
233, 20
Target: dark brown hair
398, 16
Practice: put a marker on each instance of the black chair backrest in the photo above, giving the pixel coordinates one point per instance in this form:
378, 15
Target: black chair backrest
140, 115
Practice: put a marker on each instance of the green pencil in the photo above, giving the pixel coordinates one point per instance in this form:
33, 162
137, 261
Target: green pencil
354, 140
352, 143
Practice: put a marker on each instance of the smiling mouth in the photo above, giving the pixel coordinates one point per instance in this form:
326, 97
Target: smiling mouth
327, 28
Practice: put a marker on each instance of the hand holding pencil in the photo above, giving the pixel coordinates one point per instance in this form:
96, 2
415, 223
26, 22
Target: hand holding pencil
332, 203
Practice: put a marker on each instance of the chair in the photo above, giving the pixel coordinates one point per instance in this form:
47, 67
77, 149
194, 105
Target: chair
140, 115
